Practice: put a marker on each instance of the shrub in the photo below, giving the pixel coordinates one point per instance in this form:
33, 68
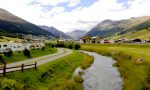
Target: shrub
9, 53
60, 44
78, 79
77, 46
9, 84
26, 52
1, 59
70, 46
43, 48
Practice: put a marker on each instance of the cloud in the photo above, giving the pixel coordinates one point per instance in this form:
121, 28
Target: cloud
80, 17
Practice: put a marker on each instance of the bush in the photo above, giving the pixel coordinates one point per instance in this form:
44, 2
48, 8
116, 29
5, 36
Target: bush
1, 59
77, 46
26, 52
70, 46
9, 53
60, 44
43, 48
9, 84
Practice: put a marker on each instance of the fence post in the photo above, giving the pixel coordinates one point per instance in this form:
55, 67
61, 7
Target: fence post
22, 67
4, 69
35, 65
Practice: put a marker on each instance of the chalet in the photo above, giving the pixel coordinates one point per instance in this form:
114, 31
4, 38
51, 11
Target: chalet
87, 39
90, 40
96, 39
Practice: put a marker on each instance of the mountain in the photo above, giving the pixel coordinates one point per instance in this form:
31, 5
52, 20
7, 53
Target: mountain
77, 34
13, 25
56, 32
108, 27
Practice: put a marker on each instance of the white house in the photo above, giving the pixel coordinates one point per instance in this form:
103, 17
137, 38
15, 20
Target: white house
4, 47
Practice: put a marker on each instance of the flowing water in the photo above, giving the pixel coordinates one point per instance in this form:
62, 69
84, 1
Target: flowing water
102, 75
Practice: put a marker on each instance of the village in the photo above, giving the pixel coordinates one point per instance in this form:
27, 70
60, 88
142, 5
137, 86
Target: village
97, 39
29, 42
34, 42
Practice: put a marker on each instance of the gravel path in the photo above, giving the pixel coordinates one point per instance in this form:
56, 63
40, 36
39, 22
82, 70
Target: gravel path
102, 75
40, 60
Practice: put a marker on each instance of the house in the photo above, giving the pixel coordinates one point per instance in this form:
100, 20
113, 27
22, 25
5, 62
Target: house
4, 47
96, 39
87, 39
36, 45
90, 40
16, 46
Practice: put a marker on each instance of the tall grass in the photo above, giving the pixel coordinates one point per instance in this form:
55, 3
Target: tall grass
135, 74
55, 75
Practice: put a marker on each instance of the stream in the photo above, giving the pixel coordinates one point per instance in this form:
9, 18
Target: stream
102, 75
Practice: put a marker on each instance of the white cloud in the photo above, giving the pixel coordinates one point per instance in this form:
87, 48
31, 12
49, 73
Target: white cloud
80, 18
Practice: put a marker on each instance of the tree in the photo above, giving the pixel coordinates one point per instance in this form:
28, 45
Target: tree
26, 52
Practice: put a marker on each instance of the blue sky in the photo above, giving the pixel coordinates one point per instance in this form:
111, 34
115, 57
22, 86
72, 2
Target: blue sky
68, 15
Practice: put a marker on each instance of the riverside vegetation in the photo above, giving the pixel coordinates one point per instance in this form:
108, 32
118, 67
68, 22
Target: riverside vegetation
133, 62
26, 54
55, 75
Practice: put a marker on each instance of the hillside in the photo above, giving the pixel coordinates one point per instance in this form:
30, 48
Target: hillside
56, 32
12, 25
109, 27
142, 34
77, 34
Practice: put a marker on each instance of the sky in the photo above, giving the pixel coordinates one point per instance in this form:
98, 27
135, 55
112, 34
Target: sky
69, 15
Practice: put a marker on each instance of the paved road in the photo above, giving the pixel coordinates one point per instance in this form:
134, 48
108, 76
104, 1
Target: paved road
40, 60
102, 75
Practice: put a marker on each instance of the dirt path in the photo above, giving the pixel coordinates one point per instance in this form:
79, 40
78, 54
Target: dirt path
102, 75
40, 60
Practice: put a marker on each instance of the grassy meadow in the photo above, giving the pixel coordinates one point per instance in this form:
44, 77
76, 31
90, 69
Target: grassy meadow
133, 62
142, 34
7, 39
55, 75
18, 56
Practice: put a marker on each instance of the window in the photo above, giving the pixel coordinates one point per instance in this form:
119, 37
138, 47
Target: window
4, 45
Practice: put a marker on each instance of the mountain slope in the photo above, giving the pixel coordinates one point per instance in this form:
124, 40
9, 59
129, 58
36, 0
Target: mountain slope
77, 34
11, 24
142, 34
55, 32
109, 27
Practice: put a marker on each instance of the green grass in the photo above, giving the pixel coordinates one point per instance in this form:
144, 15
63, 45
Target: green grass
135, 74
55, 75
18, 56
7, 39
142, 34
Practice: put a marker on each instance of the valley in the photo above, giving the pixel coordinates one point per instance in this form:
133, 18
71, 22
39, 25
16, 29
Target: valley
74, 45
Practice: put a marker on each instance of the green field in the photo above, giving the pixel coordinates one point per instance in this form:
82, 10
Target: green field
55, 75
18, 56
7, 39
135, 73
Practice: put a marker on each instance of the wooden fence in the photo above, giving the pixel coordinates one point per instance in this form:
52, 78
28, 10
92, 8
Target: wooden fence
22, 67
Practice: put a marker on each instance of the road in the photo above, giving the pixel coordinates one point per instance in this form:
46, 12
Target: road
40, 60
101, 75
